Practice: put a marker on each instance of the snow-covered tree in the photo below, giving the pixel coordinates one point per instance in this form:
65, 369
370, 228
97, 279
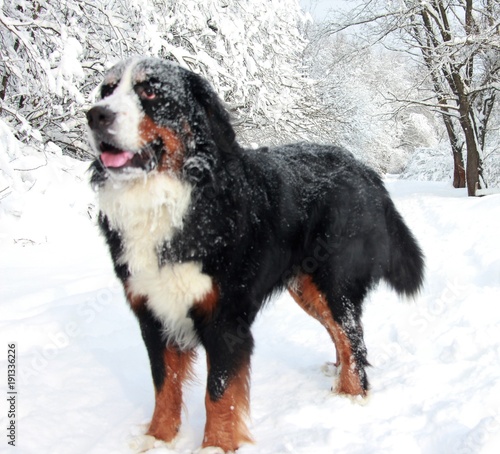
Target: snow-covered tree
458, 45
52, 55
357, 85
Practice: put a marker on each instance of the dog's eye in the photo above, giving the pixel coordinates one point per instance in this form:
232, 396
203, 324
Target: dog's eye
146, 91
107, 90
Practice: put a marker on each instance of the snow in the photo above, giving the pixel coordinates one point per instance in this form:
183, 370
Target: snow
83, 375
429, 164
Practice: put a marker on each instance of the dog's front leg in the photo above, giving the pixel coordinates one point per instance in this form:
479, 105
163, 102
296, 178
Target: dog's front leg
228, 387
170, 367
166, 419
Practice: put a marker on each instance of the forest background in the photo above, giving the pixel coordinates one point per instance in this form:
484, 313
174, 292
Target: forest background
372, 77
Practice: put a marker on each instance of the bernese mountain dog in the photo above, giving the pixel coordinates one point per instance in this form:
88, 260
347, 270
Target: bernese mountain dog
202, 232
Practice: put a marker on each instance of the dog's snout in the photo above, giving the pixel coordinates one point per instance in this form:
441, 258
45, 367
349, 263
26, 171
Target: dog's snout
100, 117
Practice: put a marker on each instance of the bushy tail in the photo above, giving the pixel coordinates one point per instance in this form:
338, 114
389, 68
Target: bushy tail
405, 272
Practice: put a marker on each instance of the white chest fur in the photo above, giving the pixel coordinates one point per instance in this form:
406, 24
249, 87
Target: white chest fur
147, 212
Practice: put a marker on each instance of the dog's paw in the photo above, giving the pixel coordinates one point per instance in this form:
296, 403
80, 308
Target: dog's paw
143, 443
330, 369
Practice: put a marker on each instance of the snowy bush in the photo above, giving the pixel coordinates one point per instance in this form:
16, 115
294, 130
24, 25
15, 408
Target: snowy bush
492, 170
491, 158
429, 164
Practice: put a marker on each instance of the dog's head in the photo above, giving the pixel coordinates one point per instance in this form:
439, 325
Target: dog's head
156, 116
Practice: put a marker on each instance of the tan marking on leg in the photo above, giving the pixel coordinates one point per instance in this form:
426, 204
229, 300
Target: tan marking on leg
206, 307
136, 301
166, 419
349, 382
307, 295
226, 418
173, 156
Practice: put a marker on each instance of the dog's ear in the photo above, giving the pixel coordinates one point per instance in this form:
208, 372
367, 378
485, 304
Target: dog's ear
217, 117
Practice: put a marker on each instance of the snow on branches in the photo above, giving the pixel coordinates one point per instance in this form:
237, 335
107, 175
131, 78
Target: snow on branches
53, 54
455, 47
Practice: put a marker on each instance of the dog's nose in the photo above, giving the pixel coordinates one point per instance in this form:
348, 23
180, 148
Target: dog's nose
100, 117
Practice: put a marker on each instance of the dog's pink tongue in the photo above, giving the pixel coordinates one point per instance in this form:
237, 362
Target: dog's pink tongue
116, 159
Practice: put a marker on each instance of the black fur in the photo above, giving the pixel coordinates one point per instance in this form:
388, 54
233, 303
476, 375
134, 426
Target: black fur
152, 334
260, 218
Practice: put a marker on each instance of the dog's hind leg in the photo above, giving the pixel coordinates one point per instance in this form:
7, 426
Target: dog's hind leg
341, 319
308, 297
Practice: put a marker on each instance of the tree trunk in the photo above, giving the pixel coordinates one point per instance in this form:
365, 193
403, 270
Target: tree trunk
467, 123
472, 172
473, 162
458, 170
456, 149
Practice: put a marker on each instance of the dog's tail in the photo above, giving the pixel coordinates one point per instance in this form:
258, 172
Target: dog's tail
405, 271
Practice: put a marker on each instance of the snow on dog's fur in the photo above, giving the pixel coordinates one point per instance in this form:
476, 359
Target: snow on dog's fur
202, 232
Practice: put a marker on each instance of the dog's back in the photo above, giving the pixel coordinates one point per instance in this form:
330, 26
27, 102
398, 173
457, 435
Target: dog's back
286, 202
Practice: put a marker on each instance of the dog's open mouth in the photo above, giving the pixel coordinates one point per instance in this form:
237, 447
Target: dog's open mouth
117, 159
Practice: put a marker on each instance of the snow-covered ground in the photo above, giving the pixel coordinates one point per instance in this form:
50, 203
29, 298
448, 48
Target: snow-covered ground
83, 378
